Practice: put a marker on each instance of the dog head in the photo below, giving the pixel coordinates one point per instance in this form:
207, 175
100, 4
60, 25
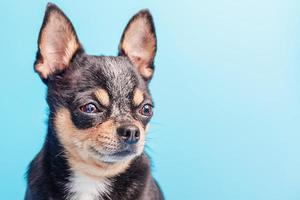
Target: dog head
100, 105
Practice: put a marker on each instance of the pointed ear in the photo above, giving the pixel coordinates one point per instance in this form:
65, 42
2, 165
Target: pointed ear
138, 43
57, 43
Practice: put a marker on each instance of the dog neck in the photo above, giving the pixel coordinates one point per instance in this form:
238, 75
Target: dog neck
90, 180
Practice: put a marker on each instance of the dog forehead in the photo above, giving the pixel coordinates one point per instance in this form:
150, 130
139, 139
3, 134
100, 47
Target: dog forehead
117, 74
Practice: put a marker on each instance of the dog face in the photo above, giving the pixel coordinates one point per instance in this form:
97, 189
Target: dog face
99, 105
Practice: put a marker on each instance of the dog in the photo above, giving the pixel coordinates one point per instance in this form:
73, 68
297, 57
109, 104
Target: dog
99, 109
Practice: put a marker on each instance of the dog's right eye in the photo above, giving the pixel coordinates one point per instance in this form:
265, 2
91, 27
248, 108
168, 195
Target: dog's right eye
89, 108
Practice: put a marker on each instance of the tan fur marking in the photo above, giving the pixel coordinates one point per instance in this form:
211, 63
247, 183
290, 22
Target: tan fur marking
102, 96
77, 143
138, 97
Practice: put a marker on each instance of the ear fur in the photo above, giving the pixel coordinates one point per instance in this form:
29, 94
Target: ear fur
57, 43
138, 43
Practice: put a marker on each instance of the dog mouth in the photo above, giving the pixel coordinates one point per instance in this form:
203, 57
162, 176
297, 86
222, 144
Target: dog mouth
111, 157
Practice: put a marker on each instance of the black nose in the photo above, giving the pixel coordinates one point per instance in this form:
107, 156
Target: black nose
129, 133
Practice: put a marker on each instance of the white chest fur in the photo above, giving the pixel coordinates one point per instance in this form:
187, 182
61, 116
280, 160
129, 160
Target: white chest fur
83, 187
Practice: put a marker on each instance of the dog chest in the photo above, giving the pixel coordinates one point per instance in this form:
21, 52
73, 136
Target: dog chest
83, 187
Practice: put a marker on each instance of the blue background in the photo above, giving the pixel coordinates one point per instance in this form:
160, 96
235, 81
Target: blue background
226, 88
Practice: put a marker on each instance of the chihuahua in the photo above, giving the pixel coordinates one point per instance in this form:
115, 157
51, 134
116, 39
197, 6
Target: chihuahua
100, 107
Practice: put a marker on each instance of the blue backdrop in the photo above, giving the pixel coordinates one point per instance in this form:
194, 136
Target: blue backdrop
226, 88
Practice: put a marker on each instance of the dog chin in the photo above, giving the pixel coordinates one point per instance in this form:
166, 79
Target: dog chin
114, 157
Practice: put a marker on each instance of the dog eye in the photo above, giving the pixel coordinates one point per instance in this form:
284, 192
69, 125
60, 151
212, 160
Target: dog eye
89, 108
146, 110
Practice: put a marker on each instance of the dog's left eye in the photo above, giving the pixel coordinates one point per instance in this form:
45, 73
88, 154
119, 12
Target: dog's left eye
89, 108
146, 110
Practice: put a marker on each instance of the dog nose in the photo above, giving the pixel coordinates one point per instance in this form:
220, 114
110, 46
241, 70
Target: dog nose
129, 133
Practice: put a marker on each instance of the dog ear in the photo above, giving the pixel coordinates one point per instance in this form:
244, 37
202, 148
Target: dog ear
57, 43
138, 43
